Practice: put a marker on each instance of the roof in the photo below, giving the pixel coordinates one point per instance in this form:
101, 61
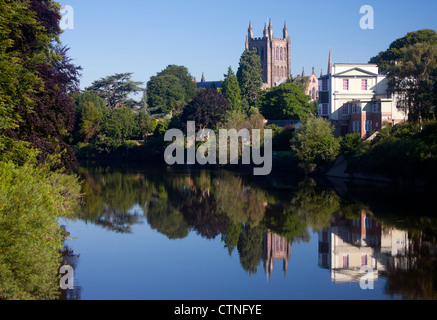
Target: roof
209, 84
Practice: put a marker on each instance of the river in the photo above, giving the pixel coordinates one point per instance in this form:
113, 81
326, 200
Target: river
179, 234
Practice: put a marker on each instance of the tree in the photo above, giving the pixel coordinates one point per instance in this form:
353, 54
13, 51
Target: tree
249, 76
116, 89
207, 109
231, 90
185, 78
165, 94
286, 102
170, 90
119, 124
145, 124
314, 143
90, 122
388, 58
27, 31
413, 79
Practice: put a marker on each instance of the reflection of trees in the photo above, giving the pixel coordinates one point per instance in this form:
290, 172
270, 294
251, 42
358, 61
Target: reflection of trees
110, 196
310, 207
250, 248
418, 278
200, 210
164, 217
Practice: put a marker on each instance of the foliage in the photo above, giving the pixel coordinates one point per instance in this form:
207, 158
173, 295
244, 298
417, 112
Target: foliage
401, 153
116, 89
207, 109
165, 94
249, 76
119, 124
37, 78
286, 102
31, 200
170, 90
314, 143
281, 137
413, 80
350, 142
231, 90
387, 58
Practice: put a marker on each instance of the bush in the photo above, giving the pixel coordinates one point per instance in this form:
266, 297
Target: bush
31, 200
350, 143
314, 143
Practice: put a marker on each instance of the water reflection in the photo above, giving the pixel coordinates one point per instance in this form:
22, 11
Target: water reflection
260, 221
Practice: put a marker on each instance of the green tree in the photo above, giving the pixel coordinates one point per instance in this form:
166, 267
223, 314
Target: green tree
393, 54
119, 124
231, 90
185, 78
116, 89
145, 124
249, 76
90, 122
165, 94
413, 79
286, 102
314, 143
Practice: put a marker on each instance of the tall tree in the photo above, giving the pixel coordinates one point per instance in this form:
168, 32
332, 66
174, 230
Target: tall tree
231, 90
27, 30
185, 78
165, 94
249, 76
286, 102
389, 57
116, 89
413, 79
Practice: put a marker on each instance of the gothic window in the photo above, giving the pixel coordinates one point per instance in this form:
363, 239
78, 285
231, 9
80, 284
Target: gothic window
281, 55
313, 94
277, 53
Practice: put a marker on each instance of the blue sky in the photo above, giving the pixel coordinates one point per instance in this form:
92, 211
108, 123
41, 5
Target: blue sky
144, 36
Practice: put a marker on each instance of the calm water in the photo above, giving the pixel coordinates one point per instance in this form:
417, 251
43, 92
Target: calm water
217, 235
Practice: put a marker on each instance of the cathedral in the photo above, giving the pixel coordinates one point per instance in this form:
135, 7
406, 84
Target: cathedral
275, 54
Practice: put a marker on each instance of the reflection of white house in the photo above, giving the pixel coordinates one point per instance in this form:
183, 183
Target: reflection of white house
354, 98
349, 245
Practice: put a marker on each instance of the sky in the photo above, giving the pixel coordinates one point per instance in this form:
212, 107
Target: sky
145, 36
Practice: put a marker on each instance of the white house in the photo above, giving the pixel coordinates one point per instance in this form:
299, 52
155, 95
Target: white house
354, 97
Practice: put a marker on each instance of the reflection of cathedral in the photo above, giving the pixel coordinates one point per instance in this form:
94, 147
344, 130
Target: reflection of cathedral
275, 248
348, 245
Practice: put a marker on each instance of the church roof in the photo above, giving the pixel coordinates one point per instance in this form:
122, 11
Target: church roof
209, 84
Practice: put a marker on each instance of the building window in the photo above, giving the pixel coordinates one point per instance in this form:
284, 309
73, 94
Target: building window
324, 109
346, 84
375, 107
277, 53
356, 108
369, 125
364, 86
346, 261
325, 85
355, 126
346, 109
281, 55
364, 260
313, 94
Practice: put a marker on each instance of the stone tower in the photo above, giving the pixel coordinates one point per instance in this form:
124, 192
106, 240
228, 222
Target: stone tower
275, 54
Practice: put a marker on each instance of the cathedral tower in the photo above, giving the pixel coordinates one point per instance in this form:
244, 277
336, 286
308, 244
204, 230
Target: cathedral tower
275, 54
